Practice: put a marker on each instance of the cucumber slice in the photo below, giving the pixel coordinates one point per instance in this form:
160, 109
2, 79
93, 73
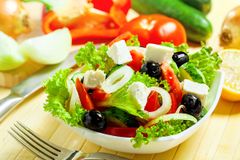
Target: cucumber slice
189, 71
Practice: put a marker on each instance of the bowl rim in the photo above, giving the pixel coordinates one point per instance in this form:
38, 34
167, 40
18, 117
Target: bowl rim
175, 136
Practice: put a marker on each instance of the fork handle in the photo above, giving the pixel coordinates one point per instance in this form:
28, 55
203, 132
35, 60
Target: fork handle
7, 104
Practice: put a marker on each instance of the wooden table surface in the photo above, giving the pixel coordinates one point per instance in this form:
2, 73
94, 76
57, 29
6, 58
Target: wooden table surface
218, 138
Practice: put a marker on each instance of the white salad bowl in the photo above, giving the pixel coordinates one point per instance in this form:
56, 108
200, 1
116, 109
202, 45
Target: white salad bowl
160, 144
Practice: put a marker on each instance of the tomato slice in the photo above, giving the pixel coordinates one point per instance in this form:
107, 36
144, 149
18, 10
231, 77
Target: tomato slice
99, 95
152, 102
121, 131
137, 60
174, 104
175, 86
83, 95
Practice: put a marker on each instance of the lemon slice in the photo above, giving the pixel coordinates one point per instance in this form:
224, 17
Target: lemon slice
231, 67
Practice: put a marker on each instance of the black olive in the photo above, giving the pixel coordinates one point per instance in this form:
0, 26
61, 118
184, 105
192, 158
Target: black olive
192, 105
180, 58
152, 69
94, 120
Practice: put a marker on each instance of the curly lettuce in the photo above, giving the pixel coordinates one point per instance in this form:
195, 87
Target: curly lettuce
93, 58
160, 129
57, 98
207, 62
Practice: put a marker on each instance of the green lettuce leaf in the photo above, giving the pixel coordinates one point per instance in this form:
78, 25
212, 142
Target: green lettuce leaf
122, 100
161, 129
93, 58
57, 98
207, 62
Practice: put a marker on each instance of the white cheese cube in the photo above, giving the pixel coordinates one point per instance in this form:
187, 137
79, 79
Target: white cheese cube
198, 89
140, 93
93, 79
158, 53
119, 52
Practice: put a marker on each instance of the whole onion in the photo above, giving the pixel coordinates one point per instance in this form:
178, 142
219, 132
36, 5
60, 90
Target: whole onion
230, 33
13, 18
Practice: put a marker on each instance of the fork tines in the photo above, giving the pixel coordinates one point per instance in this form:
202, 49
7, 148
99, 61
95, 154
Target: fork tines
31, 141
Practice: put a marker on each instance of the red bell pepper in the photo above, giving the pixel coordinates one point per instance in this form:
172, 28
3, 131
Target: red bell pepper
83, 95
105, 5
90, 26
156, 28
121, 131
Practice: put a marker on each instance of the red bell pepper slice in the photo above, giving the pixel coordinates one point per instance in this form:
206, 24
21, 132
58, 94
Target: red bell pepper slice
83, 95
106, 5
87, 27
50, 22
121, 131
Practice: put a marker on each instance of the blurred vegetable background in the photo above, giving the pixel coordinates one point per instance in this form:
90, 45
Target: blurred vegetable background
103, 20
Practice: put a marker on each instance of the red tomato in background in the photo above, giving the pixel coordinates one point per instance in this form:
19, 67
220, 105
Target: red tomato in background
105, 5
156, 28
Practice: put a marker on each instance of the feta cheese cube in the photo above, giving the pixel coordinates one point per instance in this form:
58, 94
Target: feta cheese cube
140, 93
198, 89
93, 79
158, 53
119, 52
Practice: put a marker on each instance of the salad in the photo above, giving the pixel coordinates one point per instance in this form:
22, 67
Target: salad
125, 90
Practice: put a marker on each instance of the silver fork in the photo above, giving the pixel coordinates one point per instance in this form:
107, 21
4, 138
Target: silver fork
49, 151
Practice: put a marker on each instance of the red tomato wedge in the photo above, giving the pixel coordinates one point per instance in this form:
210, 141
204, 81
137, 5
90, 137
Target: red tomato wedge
99, 95
83, 95
137, 60
174, 104
121, 131
152, 102
171, 78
